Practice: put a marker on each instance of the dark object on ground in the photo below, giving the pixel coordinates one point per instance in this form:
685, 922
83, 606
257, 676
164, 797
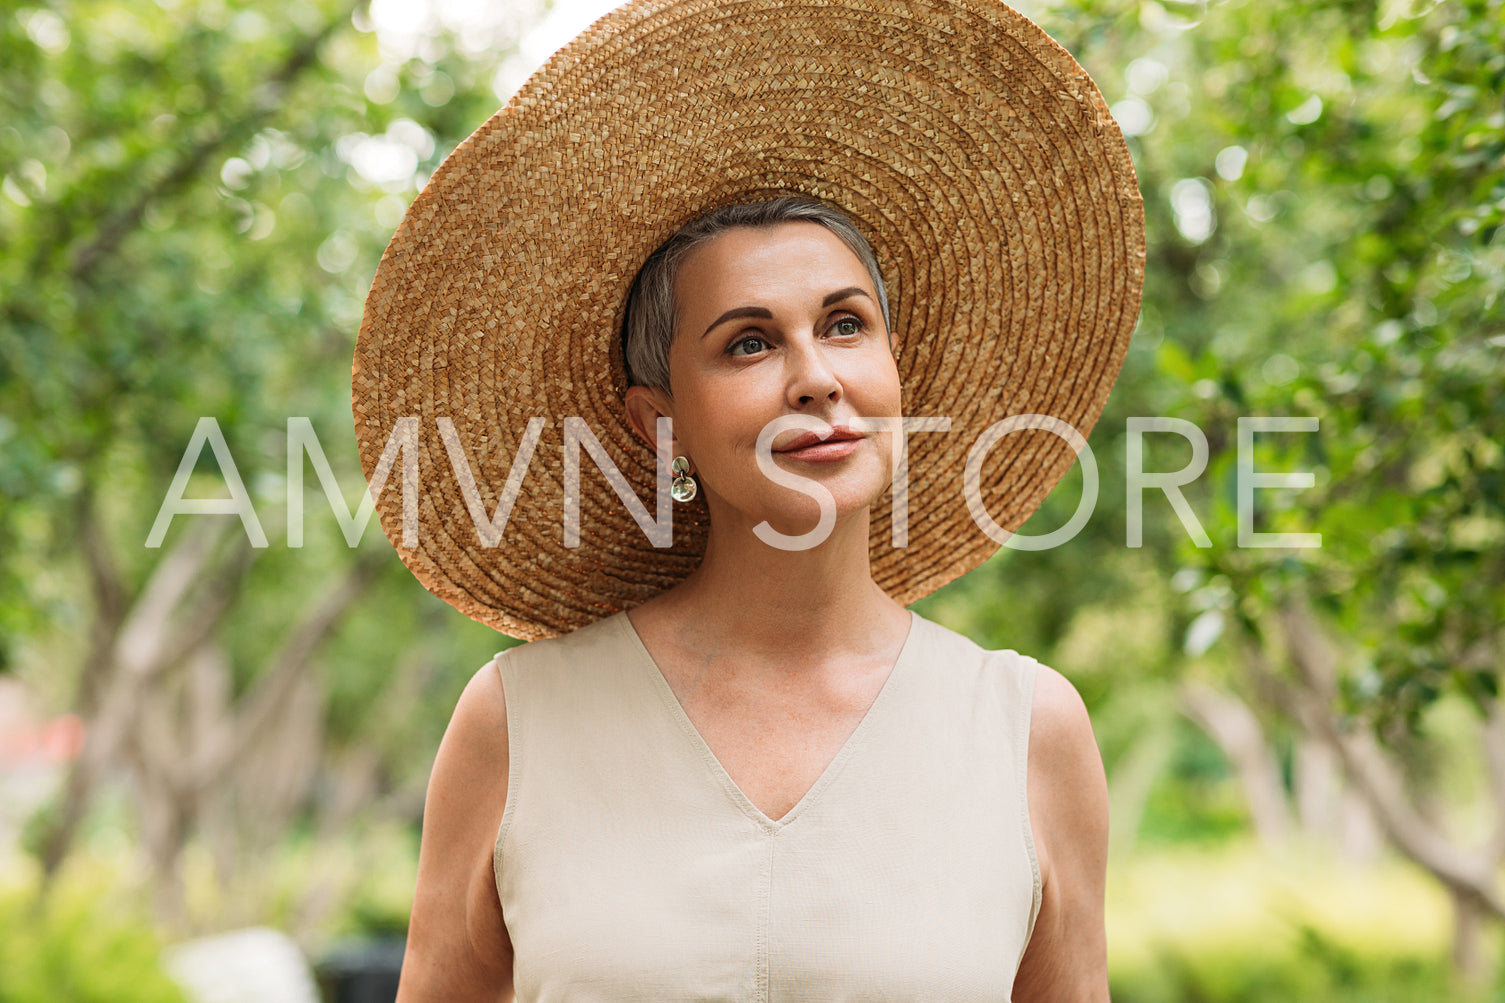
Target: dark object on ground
361, 971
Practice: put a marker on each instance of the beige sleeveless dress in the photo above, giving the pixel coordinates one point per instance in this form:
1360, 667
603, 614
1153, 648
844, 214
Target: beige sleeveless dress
631, 867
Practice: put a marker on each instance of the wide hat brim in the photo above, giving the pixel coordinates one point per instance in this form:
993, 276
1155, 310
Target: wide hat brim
973, 151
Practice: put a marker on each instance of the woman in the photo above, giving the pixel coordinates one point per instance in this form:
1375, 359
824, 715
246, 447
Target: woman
745, 771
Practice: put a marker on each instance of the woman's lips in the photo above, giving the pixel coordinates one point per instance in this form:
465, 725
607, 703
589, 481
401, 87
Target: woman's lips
841, 443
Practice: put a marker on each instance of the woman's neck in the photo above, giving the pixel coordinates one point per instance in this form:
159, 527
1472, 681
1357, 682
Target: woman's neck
788, 607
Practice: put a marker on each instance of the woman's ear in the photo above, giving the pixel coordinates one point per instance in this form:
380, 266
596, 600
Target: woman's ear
645, 405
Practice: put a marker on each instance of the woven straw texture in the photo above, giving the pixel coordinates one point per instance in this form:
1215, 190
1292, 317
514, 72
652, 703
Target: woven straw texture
972, 150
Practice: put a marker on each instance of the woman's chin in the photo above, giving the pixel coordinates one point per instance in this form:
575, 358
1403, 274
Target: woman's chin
801, 514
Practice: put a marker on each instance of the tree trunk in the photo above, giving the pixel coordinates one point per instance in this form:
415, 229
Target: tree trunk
1470, 963
118, 678
1310, 697
1230, 723
1316, 778
1133, 778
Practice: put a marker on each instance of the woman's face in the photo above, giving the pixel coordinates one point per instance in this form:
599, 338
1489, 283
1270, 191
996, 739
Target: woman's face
777, 321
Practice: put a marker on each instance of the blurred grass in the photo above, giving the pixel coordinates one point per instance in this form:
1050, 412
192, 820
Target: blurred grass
92, 941
318, 889
1227, 923
1237, 923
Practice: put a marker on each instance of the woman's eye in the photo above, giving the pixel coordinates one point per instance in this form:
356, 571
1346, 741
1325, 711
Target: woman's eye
847, 327
747, 346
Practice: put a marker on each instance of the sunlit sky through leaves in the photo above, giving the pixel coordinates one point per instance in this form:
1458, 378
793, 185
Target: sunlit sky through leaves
401, 25
406, 29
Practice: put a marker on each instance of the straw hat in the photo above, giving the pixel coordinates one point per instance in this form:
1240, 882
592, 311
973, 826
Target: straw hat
975, 154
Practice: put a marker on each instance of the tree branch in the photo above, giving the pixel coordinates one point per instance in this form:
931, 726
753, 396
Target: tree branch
1230, 723
113, 685
200, 624
104, 573
265, 99
278, 679
138, 650
1309, 701
109, 605
1492, 738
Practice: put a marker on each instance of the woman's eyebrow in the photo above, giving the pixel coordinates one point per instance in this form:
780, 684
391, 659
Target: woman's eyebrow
758, 311
842, 294
740, 311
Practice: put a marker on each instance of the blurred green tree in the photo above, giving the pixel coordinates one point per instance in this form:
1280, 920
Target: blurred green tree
194, 199
1325, 191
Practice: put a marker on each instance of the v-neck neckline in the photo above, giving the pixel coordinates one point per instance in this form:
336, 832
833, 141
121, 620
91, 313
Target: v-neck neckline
703, 749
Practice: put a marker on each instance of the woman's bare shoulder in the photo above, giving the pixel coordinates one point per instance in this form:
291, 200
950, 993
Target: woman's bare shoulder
1059, 725
470, 768
478, 728
1067, 789
458, 947
1068, 805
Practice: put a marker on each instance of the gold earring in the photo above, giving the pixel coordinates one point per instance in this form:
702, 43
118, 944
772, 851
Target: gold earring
683, 488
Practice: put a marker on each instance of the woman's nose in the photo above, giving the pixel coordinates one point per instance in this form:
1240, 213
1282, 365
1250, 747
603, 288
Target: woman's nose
811, 377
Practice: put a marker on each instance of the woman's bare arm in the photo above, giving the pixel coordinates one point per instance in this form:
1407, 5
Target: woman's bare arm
458, 950
1066, 959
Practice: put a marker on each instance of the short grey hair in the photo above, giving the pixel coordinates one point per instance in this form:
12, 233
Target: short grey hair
648, 331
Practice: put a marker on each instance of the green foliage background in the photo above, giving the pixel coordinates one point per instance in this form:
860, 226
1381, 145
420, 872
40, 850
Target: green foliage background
185, 231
